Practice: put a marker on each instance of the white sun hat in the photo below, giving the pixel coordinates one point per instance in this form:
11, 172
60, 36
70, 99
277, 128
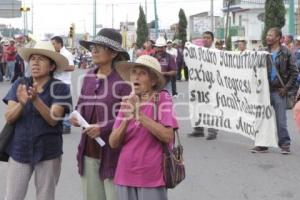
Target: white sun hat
45, 48
146, 61
160, 42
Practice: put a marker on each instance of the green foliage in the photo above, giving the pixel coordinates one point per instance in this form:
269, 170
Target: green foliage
182, 25
142, 28
274, 16
228, 42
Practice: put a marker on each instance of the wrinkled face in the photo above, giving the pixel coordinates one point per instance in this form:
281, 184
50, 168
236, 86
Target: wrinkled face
102, 55
143, 80
147, 45
272, 38
160, 50
242, 46
57, 46
219, 46
12, 43
169, 45
287, 40
40, 66
207, 40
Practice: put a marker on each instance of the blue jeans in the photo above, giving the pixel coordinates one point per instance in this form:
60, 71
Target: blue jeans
168, 87
10, 69
279, 104
66, 122
1, 75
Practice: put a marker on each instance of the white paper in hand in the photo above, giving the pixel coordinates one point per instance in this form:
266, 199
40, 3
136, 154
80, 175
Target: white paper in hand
84, 124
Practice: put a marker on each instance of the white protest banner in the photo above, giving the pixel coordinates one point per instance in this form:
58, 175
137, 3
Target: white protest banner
229, 91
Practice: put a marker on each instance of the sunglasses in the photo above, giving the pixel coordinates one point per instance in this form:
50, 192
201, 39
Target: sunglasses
97, 48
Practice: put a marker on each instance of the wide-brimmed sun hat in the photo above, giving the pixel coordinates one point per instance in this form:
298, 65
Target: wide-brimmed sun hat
108, 37
160, 42
45, 48
146, 61
169, 41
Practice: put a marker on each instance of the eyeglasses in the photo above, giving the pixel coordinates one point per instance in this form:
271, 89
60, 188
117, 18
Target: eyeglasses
97, 48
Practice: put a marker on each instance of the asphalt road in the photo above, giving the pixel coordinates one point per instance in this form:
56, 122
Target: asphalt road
223, 169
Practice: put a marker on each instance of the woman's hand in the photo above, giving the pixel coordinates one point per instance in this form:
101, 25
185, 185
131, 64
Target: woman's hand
129, 105
74, 121
93, 131
32, 92
22, 94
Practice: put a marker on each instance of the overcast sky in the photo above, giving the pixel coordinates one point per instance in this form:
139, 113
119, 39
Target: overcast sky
55, 16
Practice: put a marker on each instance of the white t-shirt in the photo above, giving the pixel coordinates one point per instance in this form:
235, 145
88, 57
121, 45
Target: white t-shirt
173, 52
61, 75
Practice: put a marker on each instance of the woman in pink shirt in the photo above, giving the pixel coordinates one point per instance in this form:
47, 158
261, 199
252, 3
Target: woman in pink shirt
139, 132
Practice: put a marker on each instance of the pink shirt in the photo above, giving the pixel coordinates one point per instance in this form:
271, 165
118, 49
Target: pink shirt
140, 161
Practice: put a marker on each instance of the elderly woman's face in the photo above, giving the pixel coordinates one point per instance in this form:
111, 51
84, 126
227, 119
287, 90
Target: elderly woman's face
101, 54
142, 79
40, 66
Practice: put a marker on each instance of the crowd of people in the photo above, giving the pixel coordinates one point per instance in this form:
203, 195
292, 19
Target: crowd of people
118, 100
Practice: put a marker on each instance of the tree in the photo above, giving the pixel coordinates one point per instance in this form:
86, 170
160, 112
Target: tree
142, 28
182, 25
228, 42
274, 16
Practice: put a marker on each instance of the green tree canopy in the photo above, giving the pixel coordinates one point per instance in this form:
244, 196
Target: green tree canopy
182, 25
274, 16
142, 28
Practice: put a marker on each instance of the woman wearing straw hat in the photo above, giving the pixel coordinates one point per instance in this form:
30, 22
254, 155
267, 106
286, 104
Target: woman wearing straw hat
101, 94
140, 132
36, 106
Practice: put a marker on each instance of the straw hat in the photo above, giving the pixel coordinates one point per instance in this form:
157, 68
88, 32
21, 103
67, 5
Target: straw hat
45, 48
146, 61
108, 37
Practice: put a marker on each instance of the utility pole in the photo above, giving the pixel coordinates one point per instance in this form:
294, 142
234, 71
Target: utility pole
298, 18
156, 19
292, 17
24, 11
212, 15
227, 16
146, 9
32, 16
94, 18
112, 15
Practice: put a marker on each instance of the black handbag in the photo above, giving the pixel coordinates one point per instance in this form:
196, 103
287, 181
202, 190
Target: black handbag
5, 137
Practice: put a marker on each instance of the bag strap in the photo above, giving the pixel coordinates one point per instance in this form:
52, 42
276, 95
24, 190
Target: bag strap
156, 116
277, 73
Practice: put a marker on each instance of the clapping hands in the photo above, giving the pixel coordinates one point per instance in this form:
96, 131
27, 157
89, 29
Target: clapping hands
24, 94
130, 106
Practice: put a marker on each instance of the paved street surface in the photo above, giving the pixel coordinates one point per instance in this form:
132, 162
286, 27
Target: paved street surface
223, 169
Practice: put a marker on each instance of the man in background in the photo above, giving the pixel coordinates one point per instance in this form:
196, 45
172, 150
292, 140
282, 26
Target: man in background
242, 45
167, 62
173, 52
11, 52
64, 76
208, 39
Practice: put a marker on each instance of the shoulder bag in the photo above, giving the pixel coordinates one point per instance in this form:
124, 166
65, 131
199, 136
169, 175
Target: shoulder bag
5, 137
173, 164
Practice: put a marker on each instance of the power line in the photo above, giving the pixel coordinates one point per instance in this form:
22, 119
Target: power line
118, 3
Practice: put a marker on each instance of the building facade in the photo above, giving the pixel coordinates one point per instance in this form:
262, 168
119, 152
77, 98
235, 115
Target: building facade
246, 20
201, 22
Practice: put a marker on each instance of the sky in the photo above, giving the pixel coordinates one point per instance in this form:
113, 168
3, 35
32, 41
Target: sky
56, 16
